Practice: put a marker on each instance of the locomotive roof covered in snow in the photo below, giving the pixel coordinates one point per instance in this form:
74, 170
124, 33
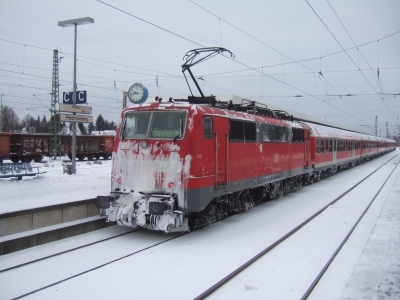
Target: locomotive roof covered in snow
297, 115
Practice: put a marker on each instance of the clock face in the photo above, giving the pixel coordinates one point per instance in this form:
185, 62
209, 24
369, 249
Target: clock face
137, 93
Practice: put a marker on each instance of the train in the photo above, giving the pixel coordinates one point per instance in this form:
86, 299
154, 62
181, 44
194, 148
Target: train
182, 164
26, 147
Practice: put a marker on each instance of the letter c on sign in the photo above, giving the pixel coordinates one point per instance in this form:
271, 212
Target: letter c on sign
66, 100
80, 94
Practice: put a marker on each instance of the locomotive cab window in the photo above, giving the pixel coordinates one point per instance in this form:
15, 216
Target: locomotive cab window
136, 125
208, 128
242, 131
159, 125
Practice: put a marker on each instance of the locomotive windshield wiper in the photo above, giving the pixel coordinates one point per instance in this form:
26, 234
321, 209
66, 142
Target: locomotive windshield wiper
180, 130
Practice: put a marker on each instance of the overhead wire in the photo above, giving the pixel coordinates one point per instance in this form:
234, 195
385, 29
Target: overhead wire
254, 69
348, 55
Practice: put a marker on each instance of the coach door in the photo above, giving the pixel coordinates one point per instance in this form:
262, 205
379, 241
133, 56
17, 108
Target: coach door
307, 151
334, 151
221, 151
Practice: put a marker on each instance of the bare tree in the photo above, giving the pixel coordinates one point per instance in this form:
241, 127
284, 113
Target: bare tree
29, 122
10, 120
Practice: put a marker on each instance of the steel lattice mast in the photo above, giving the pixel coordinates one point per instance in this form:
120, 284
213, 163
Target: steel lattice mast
55, 143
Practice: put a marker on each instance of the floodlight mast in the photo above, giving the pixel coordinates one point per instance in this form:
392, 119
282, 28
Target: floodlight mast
191, 55
75, 23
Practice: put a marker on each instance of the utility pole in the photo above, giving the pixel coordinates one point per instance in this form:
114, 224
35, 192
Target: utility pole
387, 130
1, 113
376, 125
55, 142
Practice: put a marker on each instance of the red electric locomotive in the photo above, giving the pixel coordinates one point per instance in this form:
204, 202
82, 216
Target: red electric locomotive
181, 165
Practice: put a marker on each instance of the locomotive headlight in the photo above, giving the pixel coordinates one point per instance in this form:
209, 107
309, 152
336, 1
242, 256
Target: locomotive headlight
143, 145
171, 185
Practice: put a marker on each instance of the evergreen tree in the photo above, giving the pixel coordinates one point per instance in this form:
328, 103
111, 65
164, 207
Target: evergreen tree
44, 125
113, 126
100, 123
90, 128
37, 125
106, 125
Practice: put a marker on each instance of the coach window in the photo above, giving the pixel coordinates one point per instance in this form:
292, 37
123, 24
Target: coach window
297, 135
317, 146
321, 144
266, 134
275, 133
347, 145
250, 132
242, 131
326, 146
208, 128
330, 145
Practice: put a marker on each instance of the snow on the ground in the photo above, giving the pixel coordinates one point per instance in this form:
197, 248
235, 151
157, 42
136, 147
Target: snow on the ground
184, 267
208, 253
54, 187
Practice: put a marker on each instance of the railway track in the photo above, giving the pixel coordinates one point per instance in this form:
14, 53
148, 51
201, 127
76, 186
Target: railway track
278, 242
143, 255
109, 256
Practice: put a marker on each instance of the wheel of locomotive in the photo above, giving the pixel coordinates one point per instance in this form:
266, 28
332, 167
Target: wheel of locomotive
90, 157
214, 214
80, 157
97, 157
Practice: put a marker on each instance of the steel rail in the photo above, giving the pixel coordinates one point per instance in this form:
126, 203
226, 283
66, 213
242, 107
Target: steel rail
280, 240
95, 268
65, 251
315, 282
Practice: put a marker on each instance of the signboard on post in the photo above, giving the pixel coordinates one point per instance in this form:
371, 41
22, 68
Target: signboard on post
75, 118
80, 97
75, 108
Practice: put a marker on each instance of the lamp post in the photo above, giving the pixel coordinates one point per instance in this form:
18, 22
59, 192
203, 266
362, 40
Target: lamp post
75, 23
1, 114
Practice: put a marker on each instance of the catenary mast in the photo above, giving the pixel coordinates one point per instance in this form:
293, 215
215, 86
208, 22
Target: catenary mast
55, 143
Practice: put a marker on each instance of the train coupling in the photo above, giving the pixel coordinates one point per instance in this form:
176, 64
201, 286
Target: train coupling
151, 211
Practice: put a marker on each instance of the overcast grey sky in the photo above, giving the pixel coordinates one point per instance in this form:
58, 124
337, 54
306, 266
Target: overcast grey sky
266, 37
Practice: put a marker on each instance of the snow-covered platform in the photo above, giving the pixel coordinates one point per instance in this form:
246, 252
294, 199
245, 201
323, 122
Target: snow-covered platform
372, 271
55, 187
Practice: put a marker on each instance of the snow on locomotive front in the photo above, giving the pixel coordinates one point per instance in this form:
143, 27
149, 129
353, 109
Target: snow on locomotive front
150, 167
